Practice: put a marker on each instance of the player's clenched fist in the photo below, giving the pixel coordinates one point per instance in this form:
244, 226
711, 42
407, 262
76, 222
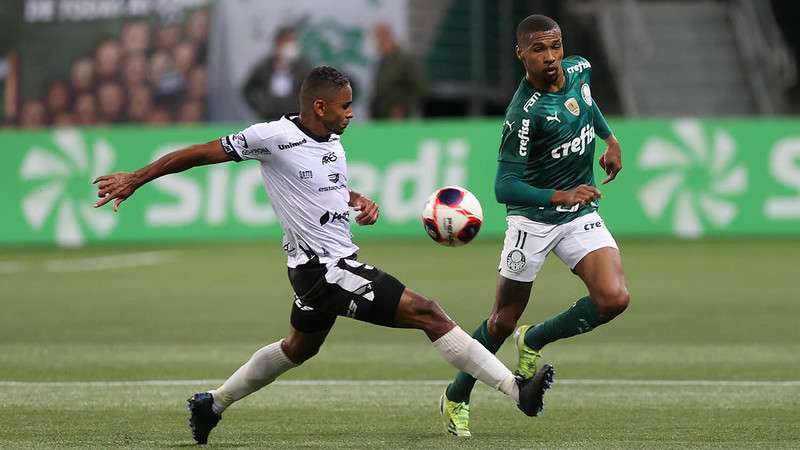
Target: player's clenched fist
582, 195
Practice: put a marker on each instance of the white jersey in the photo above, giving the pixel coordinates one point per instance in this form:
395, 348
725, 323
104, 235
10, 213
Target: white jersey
306, 180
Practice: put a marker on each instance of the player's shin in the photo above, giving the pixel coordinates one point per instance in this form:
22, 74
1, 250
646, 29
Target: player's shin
468, 355
581, 317
261, 369
461, 387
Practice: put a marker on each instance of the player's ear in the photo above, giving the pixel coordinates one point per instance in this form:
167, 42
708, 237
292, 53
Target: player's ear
518, 52
319, 107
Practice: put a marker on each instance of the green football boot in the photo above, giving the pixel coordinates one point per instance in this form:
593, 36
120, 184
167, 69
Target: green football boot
455, 416
528, 357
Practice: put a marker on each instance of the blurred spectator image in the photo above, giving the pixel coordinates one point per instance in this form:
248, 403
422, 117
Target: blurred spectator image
197, 32
184, 57
191, 112
81, 75
134, 70
64, 119
140, 103
274, 83
108, 59
33, 114
111, 100
86, 109
57, 98
135, 37
167, 36
196, 89
399, 81
159, 116
167, 82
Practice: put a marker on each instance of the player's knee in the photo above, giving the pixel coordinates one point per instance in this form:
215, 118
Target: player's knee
501, 326
297, 353
613, 302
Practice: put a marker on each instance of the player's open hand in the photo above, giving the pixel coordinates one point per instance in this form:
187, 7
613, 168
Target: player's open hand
611, 159
117, 186
581, 195
368, 210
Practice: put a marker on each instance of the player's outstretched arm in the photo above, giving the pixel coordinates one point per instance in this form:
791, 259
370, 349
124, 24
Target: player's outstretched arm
611, 159
368, 209
121, 185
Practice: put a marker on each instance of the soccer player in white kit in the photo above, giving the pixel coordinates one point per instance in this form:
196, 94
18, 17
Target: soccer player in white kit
303, 165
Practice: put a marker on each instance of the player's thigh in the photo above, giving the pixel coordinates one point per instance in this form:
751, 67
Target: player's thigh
362, 292
525, 247
581, 237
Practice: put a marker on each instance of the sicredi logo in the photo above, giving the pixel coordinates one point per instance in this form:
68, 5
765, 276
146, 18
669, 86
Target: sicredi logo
61, 174
695, 177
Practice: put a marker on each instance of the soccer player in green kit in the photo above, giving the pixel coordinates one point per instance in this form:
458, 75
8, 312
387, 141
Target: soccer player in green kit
545, 179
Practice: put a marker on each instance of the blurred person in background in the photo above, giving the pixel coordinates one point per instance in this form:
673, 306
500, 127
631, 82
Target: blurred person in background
167, 82
197, 87
81, 76
399, 83
134, 70
184, 54
108, 60
168, 35
33, 114
196, 30
140, 103
57, 98
111, 98
274, 83
64, 119
159, 116
135, 37
86, 109
191, 111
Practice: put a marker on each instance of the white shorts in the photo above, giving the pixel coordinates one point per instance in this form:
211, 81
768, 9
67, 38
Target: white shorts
527, 243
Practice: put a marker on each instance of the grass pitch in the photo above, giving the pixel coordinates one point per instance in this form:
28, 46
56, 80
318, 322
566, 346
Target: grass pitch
705, 357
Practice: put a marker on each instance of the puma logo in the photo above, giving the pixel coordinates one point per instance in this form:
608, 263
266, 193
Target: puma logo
553, 117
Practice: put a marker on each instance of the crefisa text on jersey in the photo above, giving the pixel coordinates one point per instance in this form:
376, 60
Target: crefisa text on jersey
577, 145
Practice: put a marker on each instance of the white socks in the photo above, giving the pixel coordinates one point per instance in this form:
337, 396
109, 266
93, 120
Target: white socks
262, 369
468, 355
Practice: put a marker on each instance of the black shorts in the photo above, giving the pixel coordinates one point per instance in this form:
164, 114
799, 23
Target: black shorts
348, 288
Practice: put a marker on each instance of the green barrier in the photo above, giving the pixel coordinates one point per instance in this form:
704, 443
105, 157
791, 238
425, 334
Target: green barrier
687, 178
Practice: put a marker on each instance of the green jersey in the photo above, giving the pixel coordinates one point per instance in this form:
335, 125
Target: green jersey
548, 143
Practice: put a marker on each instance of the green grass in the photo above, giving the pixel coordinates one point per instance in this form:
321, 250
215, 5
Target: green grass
704, 310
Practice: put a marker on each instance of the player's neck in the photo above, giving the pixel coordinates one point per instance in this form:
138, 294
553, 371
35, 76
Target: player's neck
546, 86
314, 126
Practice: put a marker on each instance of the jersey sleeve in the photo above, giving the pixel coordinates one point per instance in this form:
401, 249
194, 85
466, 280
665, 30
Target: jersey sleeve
516, 138
601, 127
254, 142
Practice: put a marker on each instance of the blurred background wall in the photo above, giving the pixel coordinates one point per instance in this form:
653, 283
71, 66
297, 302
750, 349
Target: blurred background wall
701, 93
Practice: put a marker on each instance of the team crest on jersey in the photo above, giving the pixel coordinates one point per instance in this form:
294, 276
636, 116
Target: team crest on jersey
515, 261
572, 106
586, 93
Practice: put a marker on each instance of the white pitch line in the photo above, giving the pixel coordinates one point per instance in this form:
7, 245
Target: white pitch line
123, 261
92, 263
587, 382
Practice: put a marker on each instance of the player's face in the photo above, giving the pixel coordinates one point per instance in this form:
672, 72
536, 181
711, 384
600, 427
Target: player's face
541, 54
338, 110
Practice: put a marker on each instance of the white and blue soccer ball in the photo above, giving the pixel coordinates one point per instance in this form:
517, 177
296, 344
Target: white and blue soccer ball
452, 216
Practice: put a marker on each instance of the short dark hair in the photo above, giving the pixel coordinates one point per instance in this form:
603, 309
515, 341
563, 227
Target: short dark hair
320, 79
534, 23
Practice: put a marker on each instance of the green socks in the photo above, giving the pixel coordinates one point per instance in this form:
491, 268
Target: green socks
461, 388
579, 318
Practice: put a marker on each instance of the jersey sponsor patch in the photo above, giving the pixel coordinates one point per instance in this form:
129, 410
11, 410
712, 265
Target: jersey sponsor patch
524, 136
572, 106
515, 261
586, 93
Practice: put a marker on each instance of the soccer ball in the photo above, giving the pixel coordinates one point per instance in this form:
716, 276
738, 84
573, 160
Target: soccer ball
452, 216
